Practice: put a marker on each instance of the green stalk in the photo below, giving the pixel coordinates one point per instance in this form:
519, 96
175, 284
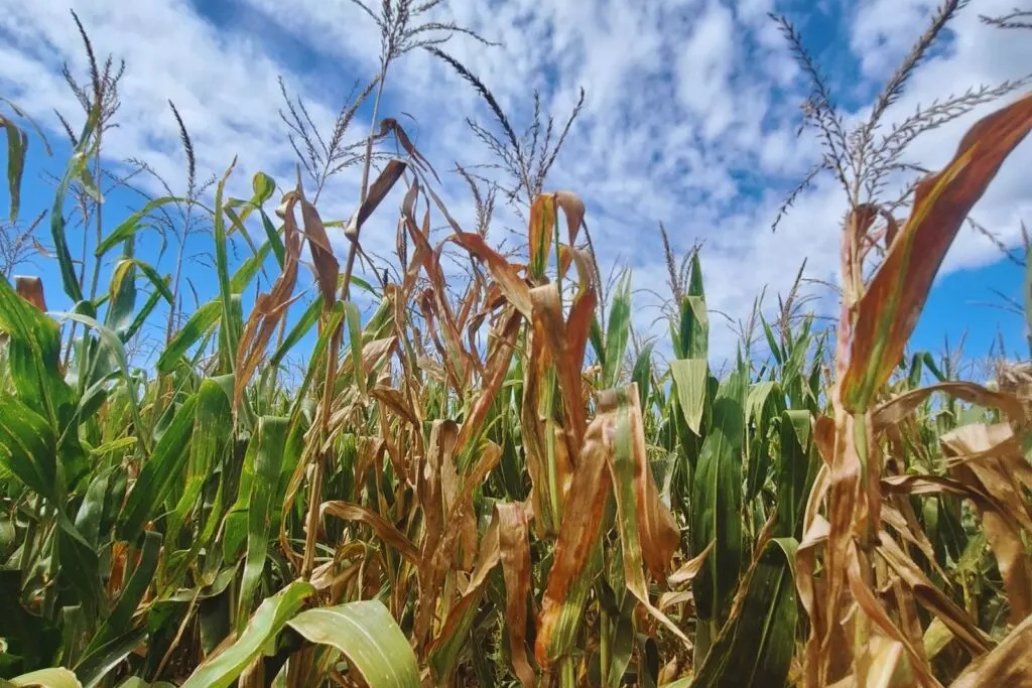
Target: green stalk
567, 673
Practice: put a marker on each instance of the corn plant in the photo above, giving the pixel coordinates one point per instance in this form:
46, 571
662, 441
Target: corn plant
484, 479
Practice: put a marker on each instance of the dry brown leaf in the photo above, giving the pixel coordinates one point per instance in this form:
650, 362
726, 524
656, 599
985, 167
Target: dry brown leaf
395, 400
893, 299
898, 408
1008, 664
384, 530
690, 568
269, 309
873, 609
385, 181
31, 289
429, 492
327, 269
514, 551
505, 275
578, 532
990, 460
932, 598
500, 352
648, 532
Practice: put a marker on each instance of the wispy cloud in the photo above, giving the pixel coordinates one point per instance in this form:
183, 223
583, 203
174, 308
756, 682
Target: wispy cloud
691, 114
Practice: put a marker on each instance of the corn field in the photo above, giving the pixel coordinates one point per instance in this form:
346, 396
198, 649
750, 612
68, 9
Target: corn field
485, 481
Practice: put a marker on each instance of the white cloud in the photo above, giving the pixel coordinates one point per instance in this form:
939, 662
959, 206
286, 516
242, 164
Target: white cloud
977, 54
884, 30
690, 117
705, 66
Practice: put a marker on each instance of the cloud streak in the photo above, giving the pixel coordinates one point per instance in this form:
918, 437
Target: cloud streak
690, 118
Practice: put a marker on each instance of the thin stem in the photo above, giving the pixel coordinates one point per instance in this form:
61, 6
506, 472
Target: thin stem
98, 220
175, 289
369, 141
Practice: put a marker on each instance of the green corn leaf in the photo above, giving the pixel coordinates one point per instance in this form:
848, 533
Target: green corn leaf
160, 283
764, 404
273, 236
693, 336
618, 332
222, 669
77, 166
113, 344
27, 448
264, 186
91, 511
621, 644
772, 341
235, 534
17, 146
642, 375
694, 333
756, 648
297, 332
270, 437
691, 376
932, 367
717, 501
230, 332
213, 428
597, 341
366, 634
796, 472
159, 472
315, 365
119, 622
79, 566
74, 629
94, 668
199, 325
33, 359
249, 268
135, 682
132, 224
144, 313
204, 319
122, 291
355, 334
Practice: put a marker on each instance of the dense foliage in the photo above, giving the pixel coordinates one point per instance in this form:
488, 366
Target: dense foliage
487, 481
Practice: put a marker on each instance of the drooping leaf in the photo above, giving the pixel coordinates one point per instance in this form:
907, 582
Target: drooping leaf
47, 678
1008, 664
17, 145
894, 297
222, 669
132, 224
648, 531
365, 633
327, 268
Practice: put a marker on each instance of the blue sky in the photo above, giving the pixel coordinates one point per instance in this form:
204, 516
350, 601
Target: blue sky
690, 119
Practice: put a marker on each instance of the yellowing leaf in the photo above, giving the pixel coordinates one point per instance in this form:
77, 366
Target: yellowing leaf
893, 299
